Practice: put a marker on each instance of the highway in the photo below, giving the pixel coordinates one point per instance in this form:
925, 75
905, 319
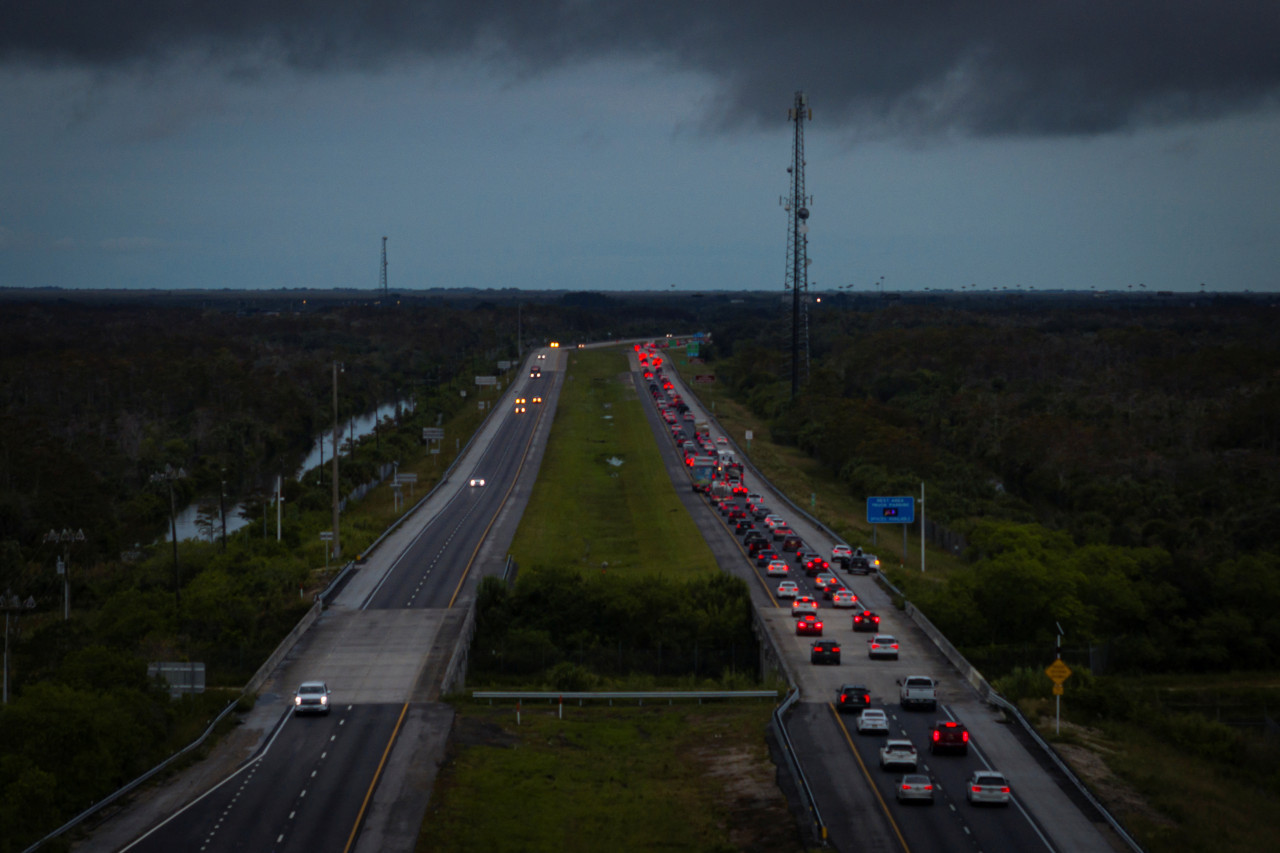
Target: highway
313, 783
854, 796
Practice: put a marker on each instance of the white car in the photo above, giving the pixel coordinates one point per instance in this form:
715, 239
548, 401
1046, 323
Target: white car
840, 552
987, 786
778, 569
882, 646
802, 605
873, 720
788, 589
844, 598
312, 698
477, 481
898, 753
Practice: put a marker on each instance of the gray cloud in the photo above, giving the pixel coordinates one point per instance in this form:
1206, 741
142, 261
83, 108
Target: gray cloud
985, 67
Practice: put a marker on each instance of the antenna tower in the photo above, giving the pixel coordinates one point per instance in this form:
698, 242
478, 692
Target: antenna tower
382, 281
797, 276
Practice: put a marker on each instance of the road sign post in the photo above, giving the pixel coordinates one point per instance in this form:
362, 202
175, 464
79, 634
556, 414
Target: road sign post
1058, 672
896, 510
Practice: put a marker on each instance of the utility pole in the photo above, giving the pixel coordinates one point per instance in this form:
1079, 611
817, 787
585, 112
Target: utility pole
168, 475
337, 536
10, 603
796, 206
222, 509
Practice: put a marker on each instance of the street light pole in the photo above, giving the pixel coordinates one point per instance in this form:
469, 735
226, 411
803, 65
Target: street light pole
337, 535
66, 536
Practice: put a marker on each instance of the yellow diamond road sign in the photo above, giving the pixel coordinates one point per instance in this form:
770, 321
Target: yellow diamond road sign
1058, 671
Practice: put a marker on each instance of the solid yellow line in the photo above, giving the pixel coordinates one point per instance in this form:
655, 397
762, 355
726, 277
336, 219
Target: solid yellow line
524, 456
351, 839
849, 739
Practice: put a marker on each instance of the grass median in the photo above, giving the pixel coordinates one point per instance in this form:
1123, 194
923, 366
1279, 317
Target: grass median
678, 777
603, 500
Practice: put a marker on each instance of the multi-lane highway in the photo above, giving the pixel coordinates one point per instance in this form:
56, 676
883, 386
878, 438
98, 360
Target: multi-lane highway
855, 797
338, 782
312, 782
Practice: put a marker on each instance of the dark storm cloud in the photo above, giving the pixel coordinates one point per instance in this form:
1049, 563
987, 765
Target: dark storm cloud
986, 67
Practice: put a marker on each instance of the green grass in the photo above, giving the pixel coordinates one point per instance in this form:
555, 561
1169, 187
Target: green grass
682, 777
586, 510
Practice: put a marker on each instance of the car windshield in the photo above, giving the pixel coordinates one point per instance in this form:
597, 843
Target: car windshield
311, 688
919, 682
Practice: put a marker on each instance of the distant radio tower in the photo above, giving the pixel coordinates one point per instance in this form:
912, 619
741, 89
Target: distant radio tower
382, 282
797, 277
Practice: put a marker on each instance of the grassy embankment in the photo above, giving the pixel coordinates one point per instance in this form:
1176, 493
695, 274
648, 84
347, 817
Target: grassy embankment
1171, 793
621, 778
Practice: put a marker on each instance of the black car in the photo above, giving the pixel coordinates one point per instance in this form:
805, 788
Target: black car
754, 544
743, 526
858, 566
866, 620
765, 555
824, 651
853, 697
760, 513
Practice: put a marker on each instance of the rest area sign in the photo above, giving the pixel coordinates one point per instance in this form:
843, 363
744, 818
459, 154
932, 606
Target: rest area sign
891, 510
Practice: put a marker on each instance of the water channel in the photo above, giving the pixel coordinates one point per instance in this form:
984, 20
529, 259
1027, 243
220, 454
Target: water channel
321, 452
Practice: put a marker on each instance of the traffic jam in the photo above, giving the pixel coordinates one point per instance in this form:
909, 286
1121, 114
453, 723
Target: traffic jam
809, 583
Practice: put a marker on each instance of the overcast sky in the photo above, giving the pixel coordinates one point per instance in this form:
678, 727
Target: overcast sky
639, 144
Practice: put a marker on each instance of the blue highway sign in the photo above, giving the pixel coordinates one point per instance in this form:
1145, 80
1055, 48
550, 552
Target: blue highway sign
891, 510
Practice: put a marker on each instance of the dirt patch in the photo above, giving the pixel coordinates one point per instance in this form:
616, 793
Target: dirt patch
472, 731
1088, 759
757, 817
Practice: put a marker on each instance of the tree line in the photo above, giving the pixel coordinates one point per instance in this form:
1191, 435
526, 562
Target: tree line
1114, 468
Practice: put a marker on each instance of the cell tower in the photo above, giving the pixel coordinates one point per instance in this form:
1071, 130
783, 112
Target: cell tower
382, 281
797, 277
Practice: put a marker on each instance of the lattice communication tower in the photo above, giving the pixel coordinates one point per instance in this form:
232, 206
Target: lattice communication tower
382, 280
796, 281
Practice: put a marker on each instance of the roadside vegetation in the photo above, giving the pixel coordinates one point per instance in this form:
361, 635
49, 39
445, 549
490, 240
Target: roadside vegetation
1109, 470
97, 394
621, 778
616, 586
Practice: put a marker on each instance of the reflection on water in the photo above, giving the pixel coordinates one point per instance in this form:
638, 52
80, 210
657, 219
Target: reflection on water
321, 451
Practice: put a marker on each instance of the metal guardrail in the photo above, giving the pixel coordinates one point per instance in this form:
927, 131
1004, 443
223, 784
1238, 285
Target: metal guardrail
639, 695
975, 678
793, 762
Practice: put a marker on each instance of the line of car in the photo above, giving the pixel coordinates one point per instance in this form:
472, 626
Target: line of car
760, 529
983, 787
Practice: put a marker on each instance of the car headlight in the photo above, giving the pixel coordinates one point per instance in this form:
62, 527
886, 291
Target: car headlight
297, 700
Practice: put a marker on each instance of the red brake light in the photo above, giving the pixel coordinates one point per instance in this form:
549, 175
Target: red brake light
1004, 789
835, 649
867, 698
965, 737
906, 787
844, 698
977, 789
936, 734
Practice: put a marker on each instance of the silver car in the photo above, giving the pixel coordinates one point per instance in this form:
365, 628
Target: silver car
987, 786
873, 720
312, 698
915, 788
898, 753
